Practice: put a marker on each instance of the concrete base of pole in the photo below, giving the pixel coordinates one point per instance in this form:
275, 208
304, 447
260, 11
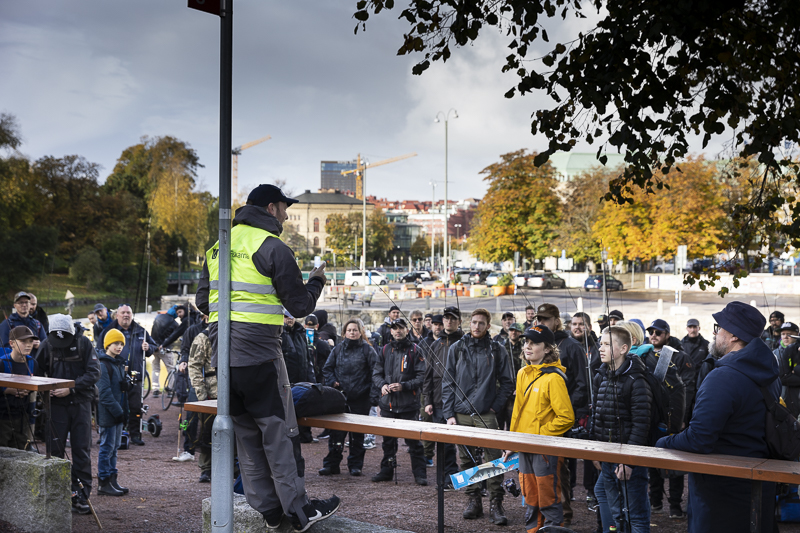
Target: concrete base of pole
248, 520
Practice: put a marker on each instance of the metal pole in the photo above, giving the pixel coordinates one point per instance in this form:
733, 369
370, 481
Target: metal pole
364, 229
433, 233
222, 430
604, 256
446, 254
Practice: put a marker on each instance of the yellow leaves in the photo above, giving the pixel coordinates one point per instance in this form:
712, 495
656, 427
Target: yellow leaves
176, 209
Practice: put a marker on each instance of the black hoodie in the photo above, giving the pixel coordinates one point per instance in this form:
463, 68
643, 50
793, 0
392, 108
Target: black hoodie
255, 344
435, 358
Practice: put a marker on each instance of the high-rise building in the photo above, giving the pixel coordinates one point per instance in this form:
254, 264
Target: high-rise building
332, 178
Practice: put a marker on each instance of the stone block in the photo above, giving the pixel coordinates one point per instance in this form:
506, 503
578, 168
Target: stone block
38, 491
248, 520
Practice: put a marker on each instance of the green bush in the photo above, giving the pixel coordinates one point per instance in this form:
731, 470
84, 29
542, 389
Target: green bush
506, 280
88, 268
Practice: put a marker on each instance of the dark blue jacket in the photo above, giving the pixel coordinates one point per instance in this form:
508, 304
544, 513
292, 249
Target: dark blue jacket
351, 364
132, 353
113, 403
729, 418
15, 320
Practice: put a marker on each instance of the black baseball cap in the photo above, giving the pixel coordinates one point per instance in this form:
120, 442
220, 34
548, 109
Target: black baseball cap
507, 314
394, 308
789, 326
437, 319
616, 314
312, 320
452, 311
399, 323
428, 315
540, 333
266, 194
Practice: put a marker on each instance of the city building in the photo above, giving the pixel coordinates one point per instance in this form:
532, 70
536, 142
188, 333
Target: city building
405, 233
310, 215
331, 176
570, 164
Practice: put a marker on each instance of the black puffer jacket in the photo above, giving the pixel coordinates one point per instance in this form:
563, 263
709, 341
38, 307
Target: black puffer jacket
633, 425
679, 404
686, 371
434, 367
399, 362
327, 331
351, 364
574, 359
77, 362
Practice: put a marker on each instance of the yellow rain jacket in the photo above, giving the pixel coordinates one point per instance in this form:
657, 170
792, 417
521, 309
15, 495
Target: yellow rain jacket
542, 405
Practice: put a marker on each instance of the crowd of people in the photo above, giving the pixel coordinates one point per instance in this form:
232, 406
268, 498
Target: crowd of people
550, 375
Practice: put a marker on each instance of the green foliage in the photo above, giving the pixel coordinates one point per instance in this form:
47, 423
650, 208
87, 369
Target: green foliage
345, 235
88, 268
580, 211
520, 211
648, 76
506, 280
24, 253
421, 248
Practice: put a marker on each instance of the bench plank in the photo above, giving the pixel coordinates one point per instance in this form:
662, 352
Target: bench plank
34, 383
721, 465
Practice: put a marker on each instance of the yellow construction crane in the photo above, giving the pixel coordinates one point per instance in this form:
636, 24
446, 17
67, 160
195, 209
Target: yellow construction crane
235, 162
361, 166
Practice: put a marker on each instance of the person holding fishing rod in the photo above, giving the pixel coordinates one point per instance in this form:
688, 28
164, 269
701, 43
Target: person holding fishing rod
476, 384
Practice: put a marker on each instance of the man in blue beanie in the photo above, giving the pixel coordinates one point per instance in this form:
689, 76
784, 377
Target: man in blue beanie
730, 418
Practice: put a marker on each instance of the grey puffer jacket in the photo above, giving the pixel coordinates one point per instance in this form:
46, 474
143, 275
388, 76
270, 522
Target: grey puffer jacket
477, 366
254, 344
399, 362
615, 417
350, 364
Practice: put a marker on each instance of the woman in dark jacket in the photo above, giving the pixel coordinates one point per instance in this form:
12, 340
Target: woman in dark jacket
349, 369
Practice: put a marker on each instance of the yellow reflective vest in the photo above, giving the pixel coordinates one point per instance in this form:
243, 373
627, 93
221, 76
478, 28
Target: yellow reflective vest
253, 298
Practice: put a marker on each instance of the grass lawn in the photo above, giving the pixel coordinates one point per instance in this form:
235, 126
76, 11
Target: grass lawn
54, 287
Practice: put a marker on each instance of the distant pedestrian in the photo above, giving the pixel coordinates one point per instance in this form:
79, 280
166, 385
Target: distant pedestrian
21, 317
505, 321
15, 431
772, 335
695, 346
112, 413
38, 312
103, 320
385, 329
614, 317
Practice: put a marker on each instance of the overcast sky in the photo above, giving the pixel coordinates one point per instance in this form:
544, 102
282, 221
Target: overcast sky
92, 77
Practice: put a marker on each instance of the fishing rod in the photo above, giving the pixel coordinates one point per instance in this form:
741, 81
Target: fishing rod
430, 354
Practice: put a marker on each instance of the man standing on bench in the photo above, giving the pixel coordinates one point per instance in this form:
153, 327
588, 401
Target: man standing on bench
264, 277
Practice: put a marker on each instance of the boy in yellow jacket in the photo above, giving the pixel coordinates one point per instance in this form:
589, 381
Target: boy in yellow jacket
542, 407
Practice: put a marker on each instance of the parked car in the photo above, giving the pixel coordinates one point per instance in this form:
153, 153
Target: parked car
521, 279
667, 267
354, 278
595, 281
546, 280
493, 278
462, 273
415, 277
479, 276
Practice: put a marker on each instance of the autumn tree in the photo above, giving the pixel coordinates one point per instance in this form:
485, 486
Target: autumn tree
345, 235
647, 76
688, 212
582, 197
520, 211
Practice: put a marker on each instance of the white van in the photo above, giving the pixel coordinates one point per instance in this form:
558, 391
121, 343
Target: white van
354, 278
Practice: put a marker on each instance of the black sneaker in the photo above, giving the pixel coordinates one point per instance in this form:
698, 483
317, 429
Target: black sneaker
316, 510
656, 507
205, 476
676, 512
79, 505
273, 518
448, 485
421, 481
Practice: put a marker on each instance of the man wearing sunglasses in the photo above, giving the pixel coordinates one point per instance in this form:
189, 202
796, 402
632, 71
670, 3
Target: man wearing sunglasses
730, 418
660, 337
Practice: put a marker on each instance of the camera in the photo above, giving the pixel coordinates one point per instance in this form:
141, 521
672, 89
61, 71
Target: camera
511, 487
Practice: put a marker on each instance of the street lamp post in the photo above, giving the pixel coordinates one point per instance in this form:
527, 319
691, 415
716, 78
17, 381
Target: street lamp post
180, 255
604, 257
458, 233
433, 232
446, 117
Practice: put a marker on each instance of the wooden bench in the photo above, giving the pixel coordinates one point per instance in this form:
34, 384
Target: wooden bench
756, 470
361, 298
37, 384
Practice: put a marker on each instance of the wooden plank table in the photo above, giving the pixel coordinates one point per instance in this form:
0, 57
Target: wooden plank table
37, 384
754, 469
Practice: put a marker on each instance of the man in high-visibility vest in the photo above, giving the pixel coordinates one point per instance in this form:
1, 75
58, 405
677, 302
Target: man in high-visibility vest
264, 279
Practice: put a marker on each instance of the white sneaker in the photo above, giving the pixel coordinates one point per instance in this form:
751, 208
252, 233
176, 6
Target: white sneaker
183, 457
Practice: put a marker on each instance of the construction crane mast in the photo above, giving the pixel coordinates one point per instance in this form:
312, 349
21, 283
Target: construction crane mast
361, 171
362, 165
235, 162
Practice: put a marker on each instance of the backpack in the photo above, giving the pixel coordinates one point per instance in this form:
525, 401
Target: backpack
782, 430
661, 414
314, 399
547, 370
